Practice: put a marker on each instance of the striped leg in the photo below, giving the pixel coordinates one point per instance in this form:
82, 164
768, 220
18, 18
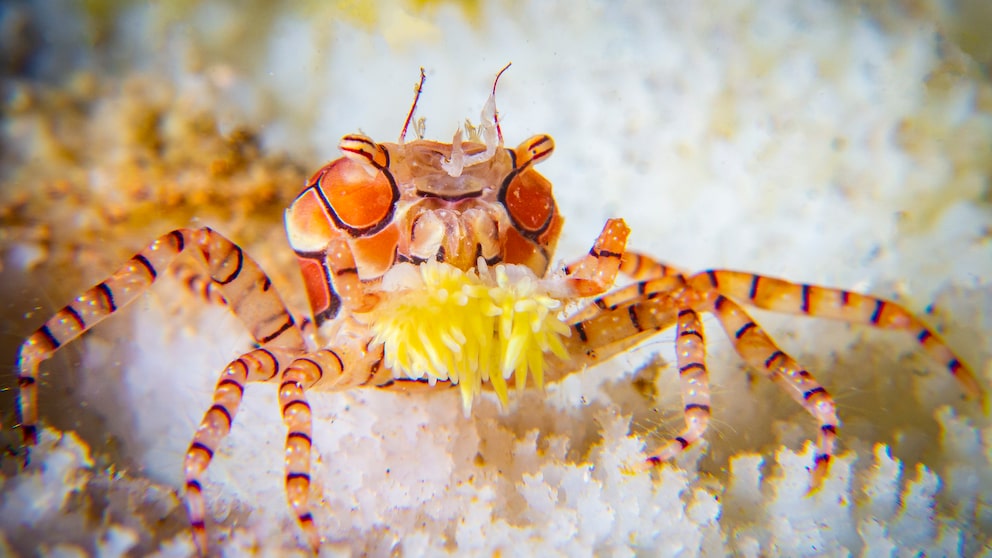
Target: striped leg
259, 365
758, 350
691, 353
197, 282
782, 296
642, 290
597, 271
639, 267
609, 332
297, 417
652, 278
241, 282
347, 366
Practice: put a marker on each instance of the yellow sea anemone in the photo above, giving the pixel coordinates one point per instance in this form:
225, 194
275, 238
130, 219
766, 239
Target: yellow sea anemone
442, 323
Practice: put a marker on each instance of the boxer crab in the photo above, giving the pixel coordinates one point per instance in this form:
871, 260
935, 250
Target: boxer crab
429, 265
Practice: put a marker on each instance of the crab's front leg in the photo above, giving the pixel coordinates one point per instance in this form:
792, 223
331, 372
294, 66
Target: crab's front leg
761, 353
349, 364
596, 272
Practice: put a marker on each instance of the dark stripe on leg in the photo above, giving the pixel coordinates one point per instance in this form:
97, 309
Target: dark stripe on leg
632, 312
877, 314
300, 436
230, 382
222, 410
744, 329
108, 296
954, 366
770, 360
294, 476
75, 316
286, 408
47, 334
605, 254
146, 264
582, 332
282, 329
237, 268
691, 366
691, 332
320, 369
272, 357
180, 242
29, 435
203, 448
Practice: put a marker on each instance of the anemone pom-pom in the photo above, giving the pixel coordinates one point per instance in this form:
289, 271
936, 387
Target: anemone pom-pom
442, 323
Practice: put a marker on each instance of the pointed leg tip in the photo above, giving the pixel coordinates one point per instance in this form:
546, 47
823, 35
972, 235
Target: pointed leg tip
818, 474
200, 540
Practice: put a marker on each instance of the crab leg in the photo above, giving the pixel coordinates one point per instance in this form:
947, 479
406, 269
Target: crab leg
344, 367
609, 332
597, 271
796, 298
642, 290
260, 365
758, 350
197, 282
690, 347
638, 267
245, 287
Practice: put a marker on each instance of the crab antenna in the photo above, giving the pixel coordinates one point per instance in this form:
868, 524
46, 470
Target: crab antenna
416, 97
499, 131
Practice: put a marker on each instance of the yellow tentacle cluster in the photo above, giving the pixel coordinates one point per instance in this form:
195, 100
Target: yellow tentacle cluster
442, 323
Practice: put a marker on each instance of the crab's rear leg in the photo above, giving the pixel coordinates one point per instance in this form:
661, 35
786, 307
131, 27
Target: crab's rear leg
759, 351
259, 365
690, 347
606, 331
782, 296
243, 285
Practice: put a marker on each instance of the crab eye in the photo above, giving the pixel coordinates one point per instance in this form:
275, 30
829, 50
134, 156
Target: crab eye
534, 150
359, 202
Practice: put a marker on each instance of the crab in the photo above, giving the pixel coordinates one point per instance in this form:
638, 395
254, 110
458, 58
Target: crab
429, 266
